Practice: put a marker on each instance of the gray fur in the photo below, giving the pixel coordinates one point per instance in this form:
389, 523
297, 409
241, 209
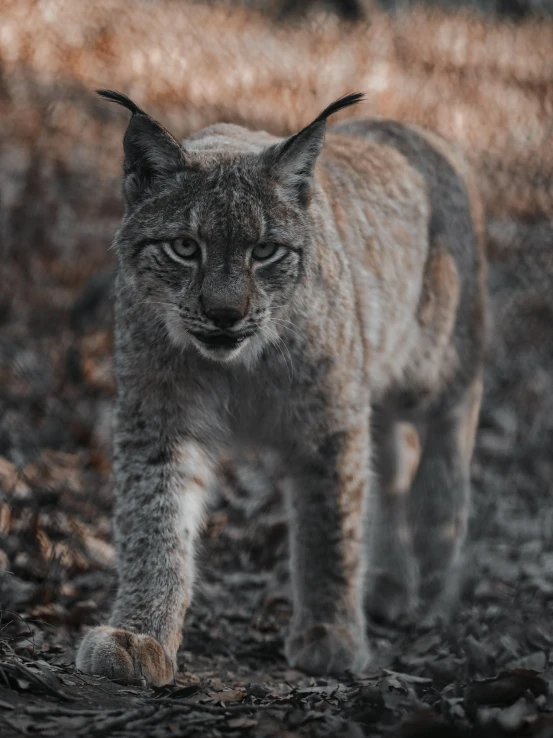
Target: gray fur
333, 325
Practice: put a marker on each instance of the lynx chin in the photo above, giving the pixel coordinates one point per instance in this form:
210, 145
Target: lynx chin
322, 296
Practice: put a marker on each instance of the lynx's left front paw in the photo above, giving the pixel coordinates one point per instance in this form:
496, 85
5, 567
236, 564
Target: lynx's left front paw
327, 648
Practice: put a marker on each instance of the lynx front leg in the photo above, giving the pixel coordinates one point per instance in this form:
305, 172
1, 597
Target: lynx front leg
160, 499
327, 505
439, 500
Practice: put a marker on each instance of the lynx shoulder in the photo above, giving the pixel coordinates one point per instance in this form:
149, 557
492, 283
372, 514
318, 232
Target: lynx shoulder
326, 301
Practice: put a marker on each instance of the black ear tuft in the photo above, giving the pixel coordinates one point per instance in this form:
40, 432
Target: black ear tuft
343, 102
292, 162
120, 99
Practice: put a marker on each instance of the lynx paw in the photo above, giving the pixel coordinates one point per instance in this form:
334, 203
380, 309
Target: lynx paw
124, 656
324, 648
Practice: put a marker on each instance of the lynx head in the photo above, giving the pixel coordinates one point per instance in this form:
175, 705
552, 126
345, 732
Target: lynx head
215, 241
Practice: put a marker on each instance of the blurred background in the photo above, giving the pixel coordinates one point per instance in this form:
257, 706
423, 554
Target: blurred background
479, 72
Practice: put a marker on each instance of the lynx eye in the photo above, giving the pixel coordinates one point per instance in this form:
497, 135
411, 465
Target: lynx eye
264, 251
185, 248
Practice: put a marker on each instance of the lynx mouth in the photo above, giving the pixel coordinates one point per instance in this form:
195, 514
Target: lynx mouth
221, 340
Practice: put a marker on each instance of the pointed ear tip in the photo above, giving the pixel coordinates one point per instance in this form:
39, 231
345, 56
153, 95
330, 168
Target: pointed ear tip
120, 99
346, 101
351, 98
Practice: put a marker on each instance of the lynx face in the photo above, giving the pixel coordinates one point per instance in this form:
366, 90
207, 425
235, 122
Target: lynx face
216, 272
214, 245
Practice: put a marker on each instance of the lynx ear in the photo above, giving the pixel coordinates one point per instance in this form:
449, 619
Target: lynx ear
151, 152
292, 161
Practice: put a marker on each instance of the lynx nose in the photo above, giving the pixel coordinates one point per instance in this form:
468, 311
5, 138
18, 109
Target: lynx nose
224, 317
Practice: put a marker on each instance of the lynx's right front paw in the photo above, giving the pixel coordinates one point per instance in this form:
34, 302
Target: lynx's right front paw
125, 656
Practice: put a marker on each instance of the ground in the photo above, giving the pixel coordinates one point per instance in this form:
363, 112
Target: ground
486, 673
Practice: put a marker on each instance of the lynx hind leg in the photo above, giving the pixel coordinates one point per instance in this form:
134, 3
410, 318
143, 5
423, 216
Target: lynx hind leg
393, 572
440, 498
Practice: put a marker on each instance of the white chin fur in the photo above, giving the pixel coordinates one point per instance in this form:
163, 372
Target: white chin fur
218, 353
246, 353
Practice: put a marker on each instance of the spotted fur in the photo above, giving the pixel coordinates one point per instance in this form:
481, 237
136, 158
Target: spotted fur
360, 341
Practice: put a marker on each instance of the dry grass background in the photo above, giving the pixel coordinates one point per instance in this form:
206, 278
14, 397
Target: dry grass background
482, 83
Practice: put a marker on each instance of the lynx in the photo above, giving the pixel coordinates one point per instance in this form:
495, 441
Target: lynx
327, 303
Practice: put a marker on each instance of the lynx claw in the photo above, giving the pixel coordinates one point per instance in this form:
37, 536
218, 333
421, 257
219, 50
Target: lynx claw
124, 656
324, 648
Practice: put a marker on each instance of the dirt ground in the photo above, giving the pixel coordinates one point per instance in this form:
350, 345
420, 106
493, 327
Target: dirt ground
486, 673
